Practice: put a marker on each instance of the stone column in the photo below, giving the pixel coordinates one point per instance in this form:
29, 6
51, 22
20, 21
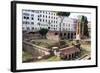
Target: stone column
71, 56
78, 33
67, 56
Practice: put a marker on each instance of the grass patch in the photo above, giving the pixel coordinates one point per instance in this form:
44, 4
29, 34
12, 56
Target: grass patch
26, 56
54, 58
85, 50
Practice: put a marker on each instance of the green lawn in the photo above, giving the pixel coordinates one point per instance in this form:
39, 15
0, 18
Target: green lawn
26, 56
54, 58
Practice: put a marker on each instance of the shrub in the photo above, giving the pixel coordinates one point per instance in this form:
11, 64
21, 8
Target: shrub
62, 42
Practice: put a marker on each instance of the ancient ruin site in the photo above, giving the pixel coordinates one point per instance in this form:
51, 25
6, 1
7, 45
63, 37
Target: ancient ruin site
55, 36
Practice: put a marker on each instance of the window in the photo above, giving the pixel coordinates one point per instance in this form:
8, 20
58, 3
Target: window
27, 17
32, 28
23, 22
56, 21
56, 17
24, 17
69, 24
32, 18
37, 11
46, 20
48, 27
69, 29
43, 20
38, 18
32, 22
63, 24
49, 22
27, 22
63, 29
28, 28
32, 14
39, 24
40, 11
32, 10
35, 28
74, 33
43, 11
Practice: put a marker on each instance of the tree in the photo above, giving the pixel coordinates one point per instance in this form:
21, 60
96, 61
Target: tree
84, 26
62, 15
43, 32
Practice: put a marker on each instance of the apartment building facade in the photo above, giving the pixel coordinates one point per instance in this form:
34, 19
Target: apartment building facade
45, 19
34, 20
